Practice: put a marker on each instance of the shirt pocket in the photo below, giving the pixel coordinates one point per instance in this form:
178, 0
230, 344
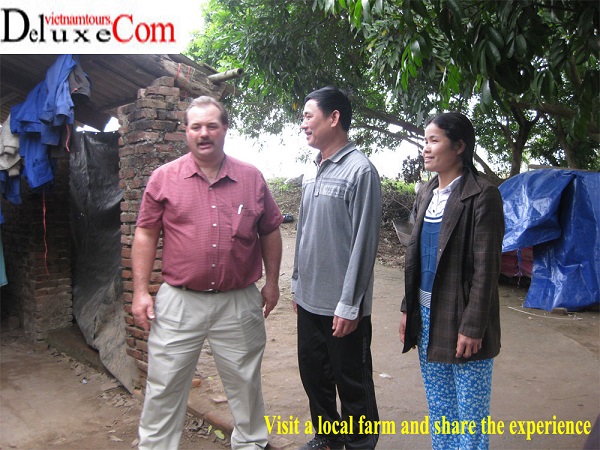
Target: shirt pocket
244, 224
333, 190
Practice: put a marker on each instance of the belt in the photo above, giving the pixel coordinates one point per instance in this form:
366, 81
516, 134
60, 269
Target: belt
208, 291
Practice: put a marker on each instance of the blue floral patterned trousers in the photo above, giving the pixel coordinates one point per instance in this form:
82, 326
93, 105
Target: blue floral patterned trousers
458, 397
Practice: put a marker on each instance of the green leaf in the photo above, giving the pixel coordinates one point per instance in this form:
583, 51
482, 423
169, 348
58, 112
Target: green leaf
486, 94
520, 46
455, 7
425, 45
418, 6
483, 64
219, 434
412, 70
558, 54
366, 10
548, 85
415, 48
378, 7
453, 79
510, 49
357, 14
404, 75
496, 37
493, 53
536, 84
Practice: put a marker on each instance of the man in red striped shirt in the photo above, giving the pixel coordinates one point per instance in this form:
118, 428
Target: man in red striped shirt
219, 223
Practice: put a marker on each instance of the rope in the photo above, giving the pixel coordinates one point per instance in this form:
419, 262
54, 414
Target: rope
44, 221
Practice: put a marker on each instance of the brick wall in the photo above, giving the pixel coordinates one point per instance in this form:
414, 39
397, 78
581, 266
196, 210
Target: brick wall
152, 133
38, 268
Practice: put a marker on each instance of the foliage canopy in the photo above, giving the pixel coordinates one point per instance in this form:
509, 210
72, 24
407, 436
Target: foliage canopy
526, 71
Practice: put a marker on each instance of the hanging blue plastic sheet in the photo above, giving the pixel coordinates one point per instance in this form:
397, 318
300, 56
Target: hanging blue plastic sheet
557, 212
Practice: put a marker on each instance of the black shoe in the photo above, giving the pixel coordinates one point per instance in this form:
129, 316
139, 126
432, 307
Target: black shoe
322, 443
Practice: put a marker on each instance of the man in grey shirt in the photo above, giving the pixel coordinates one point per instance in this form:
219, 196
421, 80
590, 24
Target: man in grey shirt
336, 247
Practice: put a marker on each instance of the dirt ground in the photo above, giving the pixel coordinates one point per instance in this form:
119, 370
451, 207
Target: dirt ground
548, 366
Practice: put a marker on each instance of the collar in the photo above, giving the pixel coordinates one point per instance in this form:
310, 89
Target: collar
337, 156
468, 185
228, 169
448, 189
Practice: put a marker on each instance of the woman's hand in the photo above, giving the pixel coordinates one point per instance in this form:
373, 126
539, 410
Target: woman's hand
467, 346
402, 327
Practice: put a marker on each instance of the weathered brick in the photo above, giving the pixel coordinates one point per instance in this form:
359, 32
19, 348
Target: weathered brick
126, 263
135, 332
164, 125
141, 125
141, 345
139, 136
126, 151
168, 115
153, 288
128, 217
142, 365
151, 103
175, 136
144, 148
125, 109
145, 113
163, 90
135, 354
127, 240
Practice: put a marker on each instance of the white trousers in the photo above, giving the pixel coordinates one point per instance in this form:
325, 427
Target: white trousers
234, 324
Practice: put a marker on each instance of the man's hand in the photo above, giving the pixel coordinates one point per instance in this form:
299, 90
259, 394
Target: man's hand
343, 327
467, 346
270, 296
143, 310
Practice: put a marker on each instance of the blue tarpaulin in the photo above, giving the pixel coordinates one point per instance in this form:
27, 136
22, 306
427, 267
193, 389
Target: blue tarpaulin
557, 212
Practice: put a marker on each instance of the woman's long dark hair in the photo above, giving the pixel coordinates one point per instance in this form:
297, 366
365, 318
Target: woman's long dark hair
458, 127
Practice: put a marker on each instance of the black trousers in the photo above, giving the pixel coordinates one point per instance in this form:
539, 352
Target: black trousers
327, 363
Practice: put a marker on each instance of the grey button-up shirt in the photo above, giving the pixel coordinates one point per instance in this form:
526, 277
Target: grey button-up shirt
338, 236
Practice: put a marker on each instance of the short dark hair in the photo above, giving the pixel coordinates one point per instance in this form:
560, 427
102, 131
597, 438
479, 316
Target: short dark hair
203, 101
458, 127
331, 99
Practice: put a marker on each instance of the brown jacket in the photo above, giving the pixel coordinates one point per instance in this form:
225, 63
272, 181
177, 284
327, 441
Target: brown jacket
465, 289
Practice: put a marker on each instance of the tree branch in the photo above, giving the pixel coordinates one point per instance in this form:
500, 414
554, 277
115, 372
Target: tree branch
391, 119
411, 139
557, 110
486, 169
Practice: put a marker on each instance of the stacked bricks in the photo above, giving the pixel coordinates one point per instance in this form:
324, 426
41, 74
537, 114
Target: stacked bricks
152, 134
37, 249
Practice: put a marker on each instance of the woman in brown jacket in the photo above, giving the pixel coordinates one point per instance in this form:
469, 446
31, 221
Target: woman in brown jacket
450, 309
